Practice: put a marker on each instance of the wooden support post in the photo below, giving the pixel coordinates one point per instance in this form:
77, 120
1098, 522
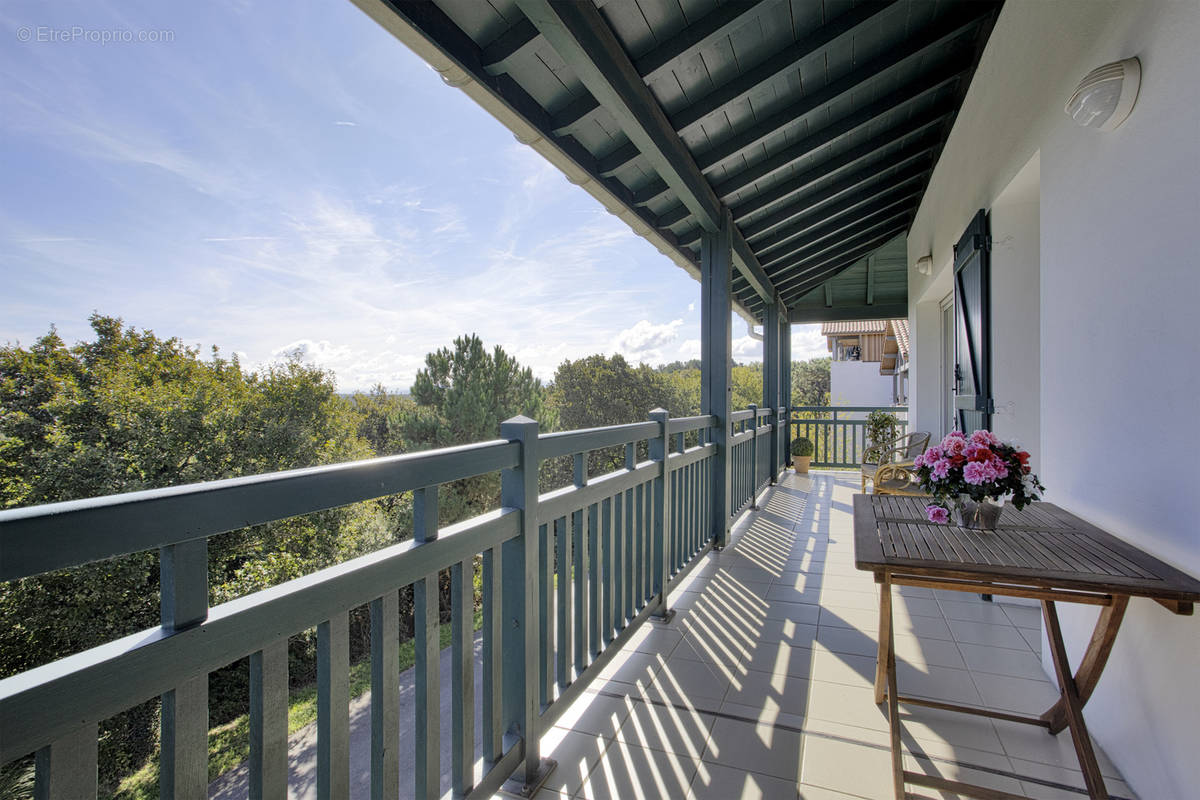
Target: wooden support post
716, 343
183, 571
660, 452
771, 388
785, 380
519, 490
493, 637
67, 769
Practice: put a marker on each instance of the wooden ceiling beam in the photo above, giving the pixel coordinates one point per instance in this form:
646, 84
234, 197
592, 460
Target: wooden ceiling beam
805, 260
809, 314
881, 206
824, 269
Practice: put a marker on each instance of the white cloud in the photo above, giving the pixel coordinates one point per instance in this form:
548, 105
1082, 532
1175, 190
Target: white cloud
747, 348
309, 352
345, 124
689, 349
807, 342
644, 340
691, 307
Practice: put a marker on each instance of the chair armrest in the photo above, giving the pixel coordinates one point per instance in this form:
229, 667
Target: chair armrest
896, 472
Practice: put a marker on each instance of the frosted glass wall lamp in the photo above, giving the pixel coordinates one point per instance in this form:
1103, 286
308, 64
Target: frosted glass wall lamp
925, 265
1105, 96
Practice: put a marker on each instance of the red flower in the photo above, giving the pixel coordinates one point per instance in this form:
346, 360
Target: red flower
981, 454
1023, 457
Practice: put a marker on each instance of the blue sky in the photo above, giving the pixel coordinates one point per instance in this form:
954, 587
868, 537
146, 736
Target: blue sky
275, 182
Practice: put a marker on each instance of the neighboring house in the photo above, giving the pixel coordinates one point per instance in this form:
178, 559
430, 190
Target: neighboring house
894, 361
864, 362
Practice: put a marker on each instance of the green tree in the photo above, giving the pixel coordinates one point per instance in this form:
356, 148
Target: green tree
462, 396
810, 382
130, 410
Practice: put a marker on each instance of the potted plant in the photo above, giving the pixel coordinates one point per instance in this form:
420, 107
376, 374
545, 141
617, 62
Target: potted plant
974, 475
802, 450
882, 427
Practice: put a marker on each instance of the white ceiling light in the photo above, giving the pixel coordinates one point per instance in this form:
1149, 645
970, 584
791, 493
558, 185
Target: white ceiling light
925, 265
1106, 95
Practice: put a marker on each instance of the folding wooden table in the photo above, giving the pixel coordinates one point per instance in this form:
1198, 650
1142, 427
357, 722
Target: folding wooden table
1040, 552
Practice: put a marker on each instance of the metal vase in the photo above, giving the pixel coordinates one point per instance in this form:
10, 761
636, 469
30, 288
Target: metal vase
981, 516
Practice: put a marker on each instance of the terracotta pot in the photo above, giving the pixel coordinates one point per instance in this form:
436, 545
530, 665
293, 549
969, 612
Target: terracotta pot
800, 464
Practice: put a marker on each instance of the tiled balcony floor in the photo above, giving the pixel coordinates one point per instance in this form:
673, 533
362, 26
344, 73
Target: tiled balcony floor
761, 686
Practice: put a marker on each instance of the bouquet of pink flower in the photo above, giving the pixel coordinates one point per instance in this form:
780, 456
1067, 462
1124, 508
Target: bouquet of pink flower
978, 466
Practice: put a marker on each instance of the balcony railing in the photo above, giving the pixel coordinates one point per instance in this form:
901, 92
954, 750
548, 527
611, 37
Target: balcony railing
839, 433
567, 578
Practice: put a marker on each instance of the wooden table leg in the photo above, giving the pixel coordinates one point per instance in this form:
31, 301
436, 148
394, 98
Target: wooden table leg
885, 633
888, 651
1093, 661
1073, 706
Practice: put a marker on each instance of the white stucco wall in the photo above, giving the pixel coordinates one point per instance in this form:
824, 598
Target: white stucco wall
1116, 295
858, 383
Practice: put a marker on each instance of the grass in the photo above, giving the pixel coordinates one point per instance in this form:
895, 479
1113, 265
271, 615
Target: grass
229, 744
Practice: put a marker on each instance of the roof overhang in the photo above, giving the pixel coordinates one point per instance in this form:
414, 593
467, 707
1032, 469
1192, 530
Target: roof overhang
816, 135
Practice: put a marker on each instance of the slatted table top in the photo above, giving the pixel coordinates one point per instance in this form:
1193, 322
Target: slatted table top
1040, 545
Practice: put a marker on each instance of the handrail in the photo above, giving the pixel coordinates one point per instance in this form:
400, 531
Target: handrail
838, 441
97, 528
566, 443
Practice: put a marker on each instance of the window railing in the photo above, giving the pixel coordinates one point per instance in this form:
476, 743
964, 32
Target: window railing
839, 433
567, 577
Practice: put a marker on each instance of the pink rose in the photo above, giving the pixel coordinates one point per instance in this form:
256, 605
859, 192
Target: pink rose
941, 469
937, 514
919, 461
984, 438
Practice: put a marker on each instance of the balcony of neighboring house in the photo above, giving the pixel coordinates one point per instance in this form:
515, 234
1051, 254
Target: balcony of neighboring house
694, 621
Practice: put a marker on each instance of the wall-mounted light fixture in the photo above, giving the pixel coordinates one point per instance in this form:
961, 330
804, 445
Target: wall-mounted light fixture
925, 265
1105, 96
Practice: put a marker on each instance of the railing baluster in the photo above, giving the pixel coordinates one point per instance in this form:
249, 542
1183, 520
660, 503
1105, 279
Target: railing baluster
66, 769
333, 708
493, 712
630, 558
565, 558
462, 680
546, 618
427, 694
269, 722
580, 572
183, 772
606, 550
618, 578
385, 696
593, 568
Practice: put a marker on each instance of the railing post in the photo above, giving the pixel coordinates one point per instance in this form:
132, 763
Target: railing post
183, 573
660, 452
754, 456
519, 490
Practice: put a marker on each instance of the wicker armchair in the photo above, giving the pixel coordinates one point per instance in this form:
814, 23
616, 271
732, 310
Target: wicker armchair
897, 479
900, 451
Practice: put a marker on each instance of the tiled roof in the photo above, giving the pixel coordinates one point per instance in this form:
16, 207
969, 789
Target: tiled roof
899, 328
860, 326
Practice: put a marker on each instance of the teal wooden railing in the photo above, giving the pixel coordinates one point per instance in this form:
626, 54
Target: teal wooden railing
567, 577
839, 433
